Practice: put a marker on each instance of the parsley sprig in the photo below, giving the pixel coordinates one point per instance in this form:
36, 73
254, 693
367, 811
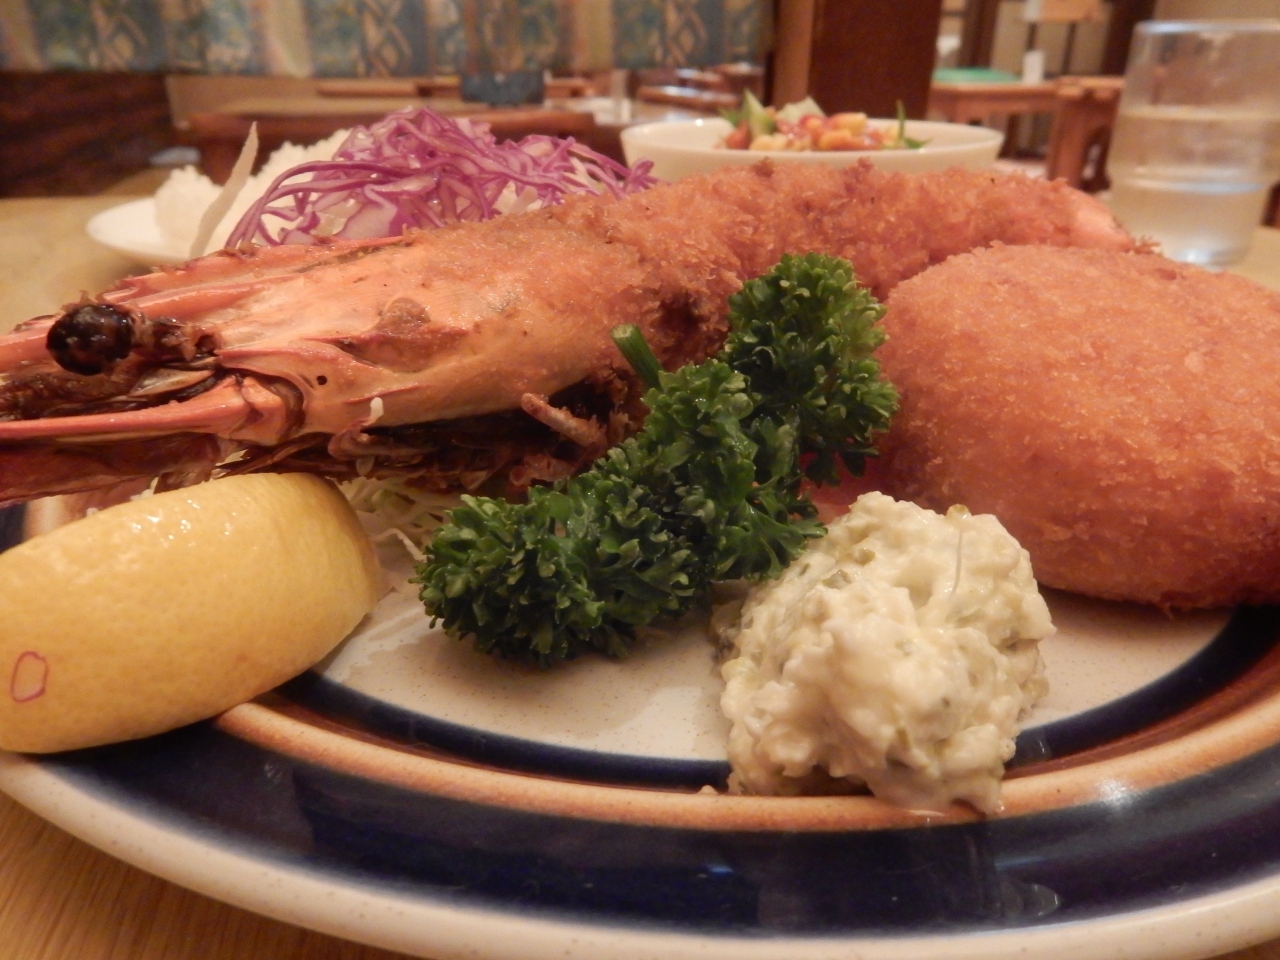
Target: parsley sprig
901, 137
709, 489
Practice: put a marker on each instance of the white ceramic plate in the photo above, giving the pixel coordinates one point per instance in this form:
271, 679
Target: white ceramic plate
131, 229
684, 147
414, 795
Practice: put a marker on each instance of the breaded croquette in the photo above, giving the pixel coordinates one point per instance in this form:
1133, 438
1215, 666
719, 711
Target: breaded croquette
1119, 412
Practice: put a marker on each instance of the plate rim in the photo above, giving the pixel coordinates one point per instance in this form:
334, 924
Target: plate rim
1217, 922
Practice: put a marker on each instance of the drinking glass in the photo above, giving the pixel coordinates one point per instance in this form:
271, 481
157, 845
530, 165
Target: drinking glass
1196, 145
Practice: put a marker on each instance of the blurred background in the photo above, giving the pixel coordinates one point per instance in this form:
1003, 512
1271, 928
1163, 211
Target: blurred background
96, 92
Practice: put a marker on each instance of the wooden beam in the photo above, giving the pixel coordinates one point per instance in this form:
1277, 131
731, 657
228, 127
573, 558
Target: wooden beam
978, 35
862, 55
1125, 15
869, 55
793, 51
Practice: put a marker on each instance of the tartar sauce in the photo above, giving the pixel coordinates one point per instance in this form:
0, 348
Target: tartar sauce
898, 653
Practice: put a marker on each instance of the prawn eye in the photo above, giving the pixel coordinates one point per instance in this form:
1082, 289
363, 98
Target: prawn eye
91, 338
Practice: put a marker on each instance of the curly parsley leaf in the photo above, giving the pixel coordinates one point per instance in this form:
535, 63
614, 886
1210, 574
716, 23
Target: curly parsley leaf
709, 489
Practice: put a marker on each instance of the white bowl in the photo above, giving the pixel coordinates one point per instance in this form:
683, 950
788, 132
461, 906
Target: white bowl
683, 147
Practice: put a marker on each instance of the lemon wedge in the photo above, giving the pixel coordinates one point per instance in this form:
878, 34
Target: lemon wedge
169, 609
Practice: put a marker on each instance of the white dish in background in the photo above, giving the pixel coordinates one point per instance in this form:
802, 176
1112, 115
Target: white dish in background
681, 148
131, 229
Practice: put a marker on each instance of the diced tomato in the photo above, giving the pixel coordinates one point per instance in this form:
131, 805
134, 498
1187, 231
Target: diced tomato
739, 138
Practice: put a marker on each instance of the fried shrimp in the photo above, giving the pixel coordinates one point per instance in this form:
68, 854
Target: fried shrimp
1119, 412
461, 356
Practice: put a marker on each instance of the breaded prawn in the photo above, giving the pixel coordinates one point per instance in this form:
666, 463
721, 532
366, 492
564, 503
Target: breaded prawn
1119, 413
466, 355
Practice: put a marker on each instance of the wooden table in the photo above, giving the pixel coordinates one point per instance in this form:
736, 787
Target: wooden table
992, 104
60, 899
976, 102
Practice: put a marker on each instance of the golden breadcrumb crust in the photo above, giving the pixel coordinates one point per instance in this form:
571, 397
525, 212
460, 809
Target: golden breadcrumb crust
1118, 412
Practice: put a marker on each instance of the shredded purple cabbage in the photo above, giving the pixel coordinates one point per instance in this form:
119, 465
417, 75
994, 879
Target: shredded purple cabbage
416, 169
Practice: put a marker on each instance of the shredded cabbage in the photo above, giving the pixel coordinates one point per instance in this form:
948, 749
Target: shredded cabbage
416, 169
393, 509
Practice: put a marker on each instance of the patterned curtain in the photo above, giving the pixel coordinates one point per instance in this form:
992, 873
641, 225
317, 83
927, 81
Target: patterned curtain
351, 38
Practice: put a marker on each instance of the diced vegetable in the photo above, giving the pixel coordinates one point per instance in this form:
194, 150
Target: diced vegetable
802, 126
756, 116
792, 112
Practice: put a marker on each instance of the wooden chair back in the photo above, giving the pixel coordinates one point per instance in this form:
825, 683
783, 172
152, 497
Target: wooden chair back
1069, 12
1081, 131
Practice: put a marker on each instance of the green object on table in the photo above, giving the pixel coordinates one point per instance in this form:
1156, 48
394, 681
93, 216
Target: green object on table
973, 75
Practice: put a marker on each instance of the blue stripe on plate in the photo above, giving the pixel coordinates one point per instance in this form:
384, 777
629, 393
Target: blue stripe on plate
1247, 637
358, 710
1202, 835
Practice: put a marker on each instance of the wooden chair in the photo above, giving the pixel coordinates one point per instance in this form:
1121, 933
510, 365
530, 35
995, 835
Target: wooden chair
1081, 136
1081, 131
742, 77
219, 136
443, 86
997, 104
983, 102
700, 91
1072, 13
559, 88
682, 77
368, 87
689, 98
